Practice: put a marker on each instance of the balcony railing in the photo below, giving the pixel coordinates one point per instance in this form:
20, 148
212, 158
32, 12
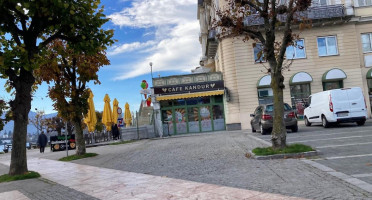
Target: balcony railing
313, 13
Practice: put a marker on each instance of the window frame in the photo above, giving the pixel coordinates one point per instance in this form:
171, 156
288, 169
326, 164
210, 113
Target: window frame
326, 43
318, 3
295, 51
370, 42
364, 3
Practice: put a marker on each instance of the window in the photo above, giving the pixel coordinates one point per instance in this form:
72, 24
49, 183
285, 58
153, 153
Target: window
327, 46
318, 2
364, 2
367, 42
333, 85
258, 53
297, 50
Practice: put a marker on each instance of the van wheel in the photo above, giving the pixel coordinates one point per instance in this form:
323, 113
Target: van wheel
253, 130
262, 130
307, 123
294, 129
325, 123
361, 123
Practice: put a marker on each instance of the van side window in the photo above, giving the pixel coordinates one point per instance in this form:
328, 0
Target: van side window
309, 101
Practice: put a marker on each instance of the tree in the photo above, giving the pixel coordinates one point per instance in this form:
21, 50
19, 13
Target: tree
70, 72
55, 124
99, 124
39, 121
26, 28
236, 19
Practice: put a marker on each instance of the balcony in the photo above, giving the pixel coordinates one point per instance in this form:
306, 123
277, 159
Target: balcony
314, 13
212, 44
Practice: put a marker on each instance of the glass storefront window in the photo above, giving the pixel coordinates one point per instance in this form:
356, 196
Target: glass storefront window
192, 101
193, 116
205, 115
165, 103
218, 99
333, 85
179, 102
218, 118
204, 100
167, 122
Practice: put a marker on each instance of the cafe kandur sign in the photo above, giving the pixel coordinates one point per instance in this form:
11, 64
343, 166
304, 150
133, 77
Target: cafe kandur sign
189, 88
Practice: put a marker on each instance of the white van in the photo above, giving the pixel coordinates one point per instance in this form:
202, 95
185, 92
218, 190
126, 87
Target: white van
336, 106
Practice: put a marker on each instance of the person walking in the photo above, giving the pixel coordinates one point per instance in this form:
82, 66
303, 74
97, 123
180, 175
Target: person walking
115, 132
42, 140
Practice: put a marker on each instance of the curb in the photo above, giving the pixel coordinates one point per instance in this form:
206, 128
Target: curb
285, 156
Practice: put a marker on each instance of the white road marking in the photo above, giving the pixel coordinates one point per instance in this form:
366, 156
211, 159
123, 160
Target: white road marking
341, 157
343, 145
331, 139
320, 134
361, 175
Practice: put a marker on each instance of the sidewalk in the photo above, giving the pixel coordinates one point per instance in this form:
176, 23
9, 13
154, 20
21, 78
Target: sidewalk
103, 183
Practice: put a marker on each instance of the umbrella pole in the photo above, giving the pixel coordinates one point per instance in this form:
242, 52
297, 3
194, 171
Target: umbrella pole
138, 136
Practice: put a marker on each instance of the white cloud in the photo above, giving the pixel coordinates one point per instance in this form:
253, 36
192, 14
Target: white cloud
175, 46
130, 47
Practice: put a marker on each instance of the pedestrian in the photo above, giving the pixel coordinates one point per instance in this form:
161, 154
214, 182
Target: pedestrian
115, 132
42, 140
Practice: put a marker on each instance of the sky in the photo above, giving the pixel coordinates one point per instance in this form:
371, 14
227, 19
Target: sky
164, 32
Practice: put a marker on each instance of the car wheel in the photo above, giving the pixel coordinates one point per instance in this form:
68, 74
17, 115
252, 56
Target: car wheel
294, 129
307, 123
262, 130
325, 123
361, 123
253, 130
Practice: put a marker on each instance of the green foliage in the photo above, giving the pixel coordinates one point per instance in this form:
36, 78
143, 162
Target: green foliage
99, 124
294, 148
28, 175
123, 142
77, 157
3, 107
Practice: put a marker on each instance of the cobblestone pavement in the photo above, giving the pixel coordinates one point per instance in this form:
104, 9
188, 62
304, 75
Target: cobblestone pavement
110, 184
40, 189
219, 158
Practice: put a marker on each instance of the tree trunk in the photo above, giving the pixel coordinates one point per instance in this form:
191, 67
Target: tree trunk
79, 136
279, 133
21, 106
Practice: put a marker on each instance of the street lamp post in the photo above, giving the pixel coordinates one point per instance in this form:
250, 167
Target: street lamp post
151, 70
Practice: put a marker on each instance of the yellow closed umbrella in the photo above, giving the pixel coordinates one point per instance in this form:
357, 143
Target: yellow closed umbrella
115, 107
127, 115
91, 118
107, 114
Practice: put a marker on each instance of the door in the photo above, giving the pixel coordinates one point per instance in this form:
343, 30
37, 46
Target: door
180, 120
193, 120
356, 102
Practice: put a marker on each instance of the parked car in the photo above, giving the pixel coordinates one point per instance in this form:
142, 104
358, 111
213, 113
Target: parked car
263, 118
336, 106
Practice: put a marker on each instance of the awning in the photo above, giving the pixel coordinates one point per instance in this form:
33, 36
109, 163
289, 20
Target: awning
369, 74
265, 81
190, 95
334, 75
300, 78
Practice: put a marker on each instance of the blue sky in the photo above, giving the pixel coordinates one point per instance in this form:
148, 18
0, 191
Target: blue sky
164, 32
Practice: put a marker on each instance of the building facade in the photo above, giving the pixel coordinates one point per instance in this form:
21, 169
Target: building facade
335, 53
189, 103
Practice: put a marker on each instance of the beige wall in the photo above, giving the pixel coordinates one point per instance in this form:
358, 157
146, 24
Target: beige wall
241, 73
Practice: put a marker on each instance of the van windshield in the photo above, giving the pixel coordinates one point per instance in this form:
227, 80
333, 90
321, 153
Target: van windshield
270, 108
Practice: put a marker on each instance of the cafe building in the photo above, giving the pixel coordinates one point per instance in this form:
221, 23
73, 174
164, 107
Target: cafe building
190, 103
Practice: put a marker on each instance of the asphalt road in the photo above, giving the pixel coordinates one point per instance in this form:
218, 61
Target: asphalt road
346, 148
